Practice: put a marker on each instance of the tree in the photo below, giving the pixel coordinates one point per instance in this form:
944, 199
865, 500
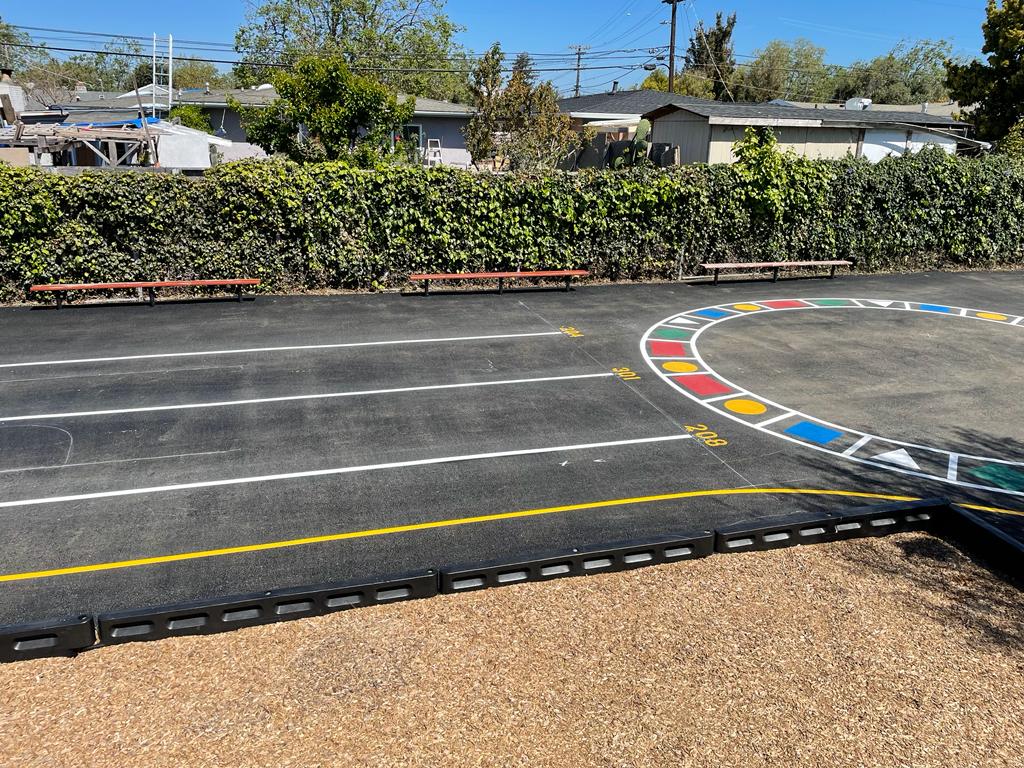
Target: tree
394, 40
485, 86
324, 111
524, 113
783, 70
711, 55
997, 85
12, 56
188, 73
191, 116
687, 83
908, 74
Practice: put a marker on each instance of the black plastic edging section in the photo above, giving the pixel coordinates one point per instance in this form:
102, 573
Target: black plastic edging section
48, 638
818, 527
608, 559
982, 539
938, 516
207, 617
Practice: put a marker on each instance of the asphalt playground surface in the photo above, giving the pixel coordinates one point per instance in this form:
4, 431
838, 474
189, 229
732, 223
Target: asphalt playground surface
203, 449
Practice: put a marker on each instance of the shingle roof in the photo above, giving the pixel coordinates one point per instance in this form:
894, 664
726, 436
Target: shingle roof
780, 112
217, 98
624, 102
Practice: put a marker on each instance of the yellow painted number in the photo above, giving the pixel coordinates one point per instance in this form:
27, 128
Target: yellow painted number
706, 436
568, 330
626, 374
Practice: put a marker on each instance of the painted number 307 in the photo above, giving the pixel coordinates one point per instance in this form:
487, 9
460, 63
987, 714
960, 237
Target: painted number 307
706, 436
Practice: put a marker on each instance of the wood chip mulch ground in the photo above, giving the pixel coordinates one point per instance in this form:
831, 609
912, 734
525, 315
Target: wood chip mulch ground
887, 652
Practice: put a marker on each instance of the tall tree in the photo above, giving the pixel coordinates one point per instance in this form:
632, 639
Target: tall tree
783, 70
325, 112
534, 133
393, 40
908, 74
485, 86
711, 54
996, 86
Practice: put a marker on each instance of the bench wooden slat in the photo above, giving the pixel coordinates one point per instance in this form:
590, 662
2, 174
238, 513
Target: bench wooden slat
141, 284
494, 275
770, 264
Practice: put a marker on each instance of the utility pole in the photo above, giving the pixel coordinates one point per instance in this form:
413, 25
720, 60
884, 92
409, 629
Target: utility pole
672, 48
580, 50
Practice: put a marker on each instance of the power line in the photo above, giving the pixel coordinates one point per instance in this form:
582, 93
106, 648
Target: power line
280, 65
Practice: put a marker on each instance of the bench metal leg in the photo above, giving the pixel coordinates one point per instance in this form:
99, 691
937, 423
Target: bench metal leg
717, 273
238, 292
60, 299
501, 285
426, 287
152, 297
568, 286
775, 274
832, 272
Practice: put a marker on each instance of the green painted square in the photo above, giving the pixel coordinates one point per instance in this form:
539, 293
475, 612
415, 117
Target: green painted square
832, 303
1001, 476
672, 333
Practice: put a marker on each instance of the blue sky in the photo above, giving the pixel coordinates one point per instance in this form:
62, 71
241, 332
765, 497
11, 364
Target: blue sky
848, 31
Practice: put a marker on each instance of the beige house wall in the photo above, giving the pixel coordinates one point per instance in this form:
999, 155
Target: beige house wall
690, 132
817, 143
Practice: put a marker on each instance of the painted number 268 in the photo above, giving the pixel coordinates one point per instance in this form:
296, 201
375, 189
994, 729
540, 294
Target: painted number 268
706, 436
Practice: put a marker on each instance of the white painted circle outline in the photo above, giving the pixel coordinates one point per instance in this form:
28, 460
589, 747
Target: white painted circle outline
703, 323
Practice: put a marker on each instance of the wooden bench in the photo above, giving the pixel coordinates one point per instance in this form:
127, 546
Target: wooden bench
501, 277
150, 285
775, 266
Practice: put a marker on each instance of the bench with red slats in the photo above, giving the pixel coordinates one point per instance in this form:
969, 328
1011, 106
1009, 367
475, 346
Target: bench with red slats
501, 277
775, 266
150, 285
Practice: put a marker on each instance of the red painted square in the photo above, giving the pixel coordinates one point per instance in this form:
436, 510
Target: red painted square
784, 304
668, 349
703, 385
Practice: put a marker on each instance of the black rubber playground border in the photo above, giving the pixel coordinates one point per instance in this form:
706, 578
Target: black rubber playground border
936, 516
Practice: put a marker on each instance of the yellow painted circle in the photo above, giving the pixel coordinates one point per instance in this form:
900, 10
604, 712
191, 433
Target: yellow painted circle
678, 366
747, 307
992, 316
746, 407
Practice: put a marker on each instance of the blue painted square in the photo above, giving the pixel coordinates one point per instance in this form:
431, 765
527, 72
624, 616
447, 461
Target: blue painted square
815, 433
713, 314
935, 308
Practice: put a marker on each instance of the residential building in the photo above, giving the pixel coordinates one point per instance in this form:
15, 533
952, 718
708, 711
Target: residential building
705, 132
436, 127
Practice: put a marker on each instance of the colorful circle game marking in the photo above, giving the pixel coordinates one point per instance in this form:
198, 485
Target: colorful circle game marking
681, 365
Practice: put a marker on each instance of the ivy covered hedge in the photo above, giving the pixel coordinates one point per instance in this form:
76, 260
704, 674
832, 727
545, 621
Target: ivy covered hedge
323, 226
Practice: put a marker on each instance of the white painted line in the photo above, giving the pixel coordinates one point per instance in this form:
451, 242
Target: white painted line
336, 471
255, 350
857, 446
774, 419
293, 398
954, 467
1017, 321
721, 397
963, 313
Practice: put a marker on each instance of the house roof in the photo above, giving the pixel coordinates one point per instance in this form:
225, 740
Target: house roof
938, 109
611, 105
250, 97
738, 113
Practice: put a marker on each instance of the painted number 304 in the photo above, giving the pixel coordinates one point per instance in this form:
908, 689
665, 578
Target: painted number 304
706, 436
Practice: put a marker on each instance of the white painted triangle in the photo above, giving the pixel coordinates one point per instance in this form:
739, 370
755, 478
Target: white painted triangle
683, 321
879, 303
899, 457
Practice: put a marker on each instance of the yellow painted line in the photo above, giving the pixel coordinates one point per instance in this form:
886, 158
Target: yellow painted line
200, 554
